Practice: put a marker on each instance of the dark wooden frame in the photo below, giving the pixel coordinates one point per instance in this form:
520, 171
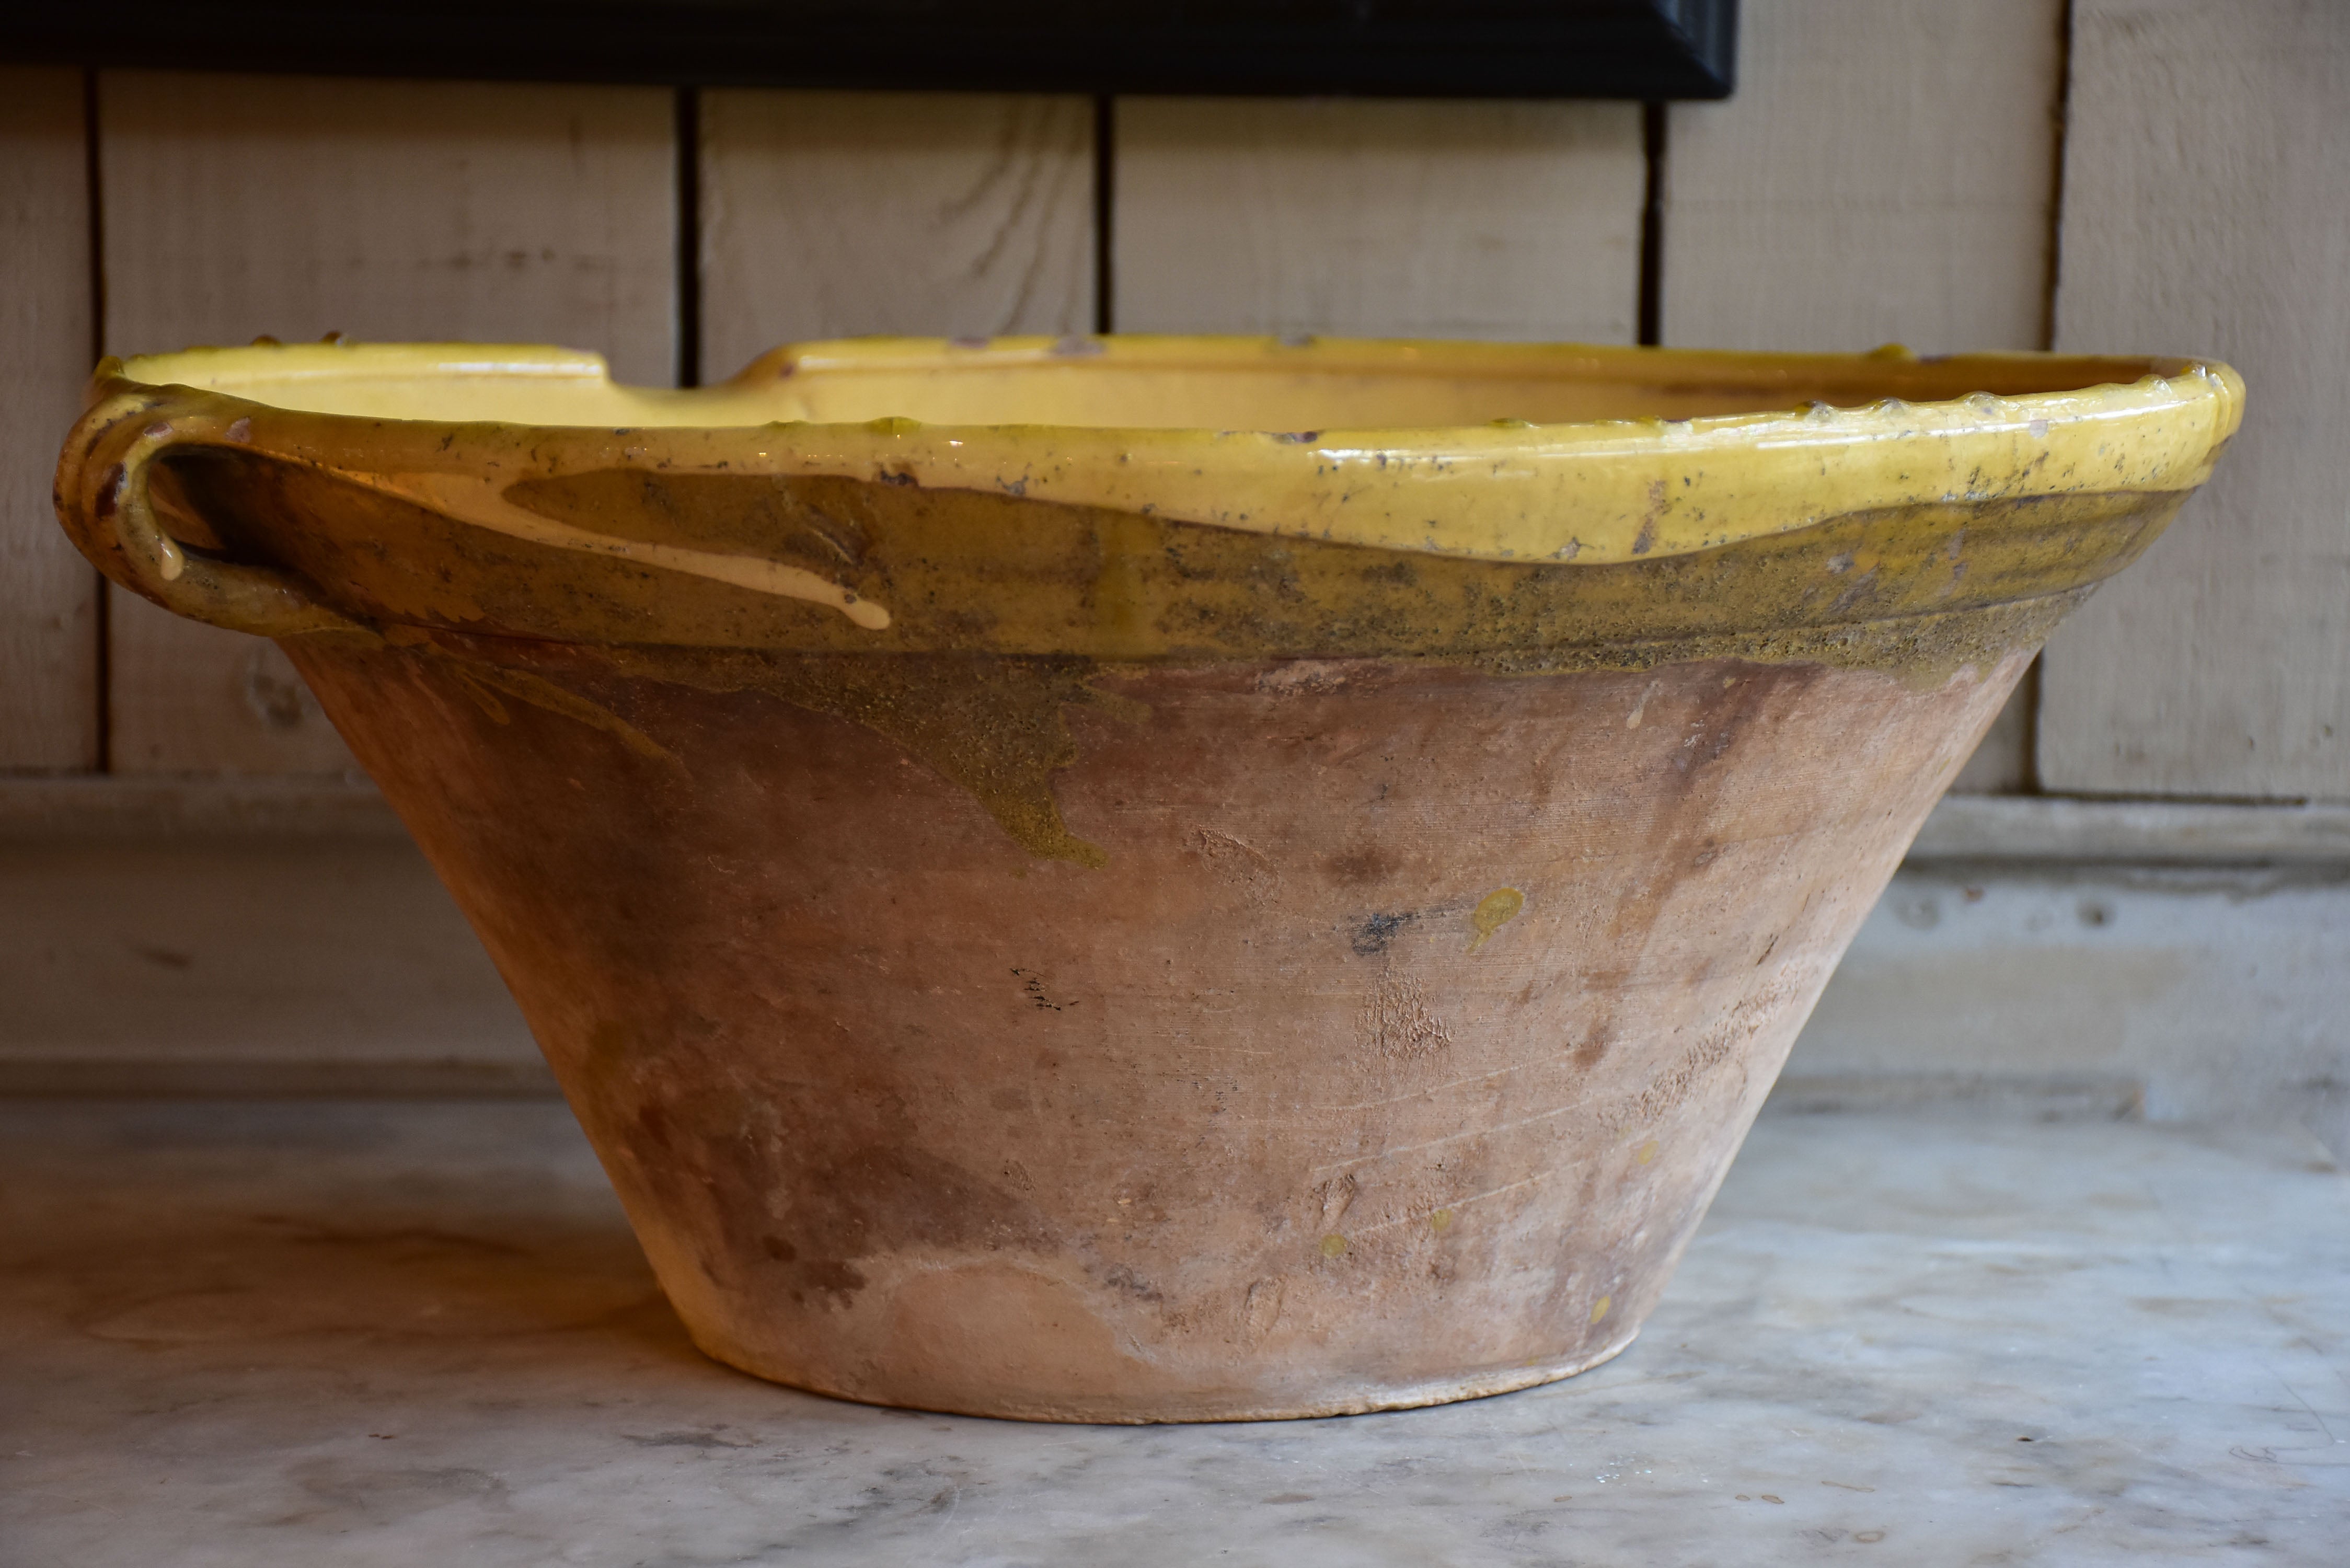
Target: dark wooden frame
1640, 49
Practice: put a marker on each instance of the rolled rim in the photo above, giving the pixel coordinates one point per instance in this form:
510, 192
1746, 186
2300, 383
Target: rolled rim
1891, 429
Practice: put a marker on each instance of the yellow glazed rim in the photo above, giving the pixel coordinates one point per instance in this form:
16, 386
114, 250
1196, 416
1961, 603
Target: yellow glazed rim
1847, 433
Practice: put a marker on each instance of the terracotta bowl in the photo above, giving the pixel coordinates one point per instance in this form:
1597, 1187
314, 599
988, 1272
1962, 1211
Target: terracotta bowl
1143, 880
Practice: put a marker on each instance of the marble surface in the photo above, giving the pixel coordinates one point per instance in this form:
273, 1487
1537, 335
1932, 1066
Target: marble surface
412, 1334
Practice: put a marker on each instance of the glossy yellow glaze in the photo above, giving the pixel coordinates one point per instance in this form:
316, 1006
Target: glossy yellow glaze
1498, 451
1013, 520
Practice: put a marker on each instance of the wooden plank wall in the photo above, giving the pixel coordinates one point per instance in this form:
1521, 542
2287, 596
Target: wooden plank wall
2208, 206
1439, 220
837, 214
49, 698
1888, 171
381, 210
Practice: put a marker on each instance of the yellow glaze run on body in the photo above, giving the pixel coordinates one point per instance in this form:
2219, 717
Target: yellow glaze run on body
1493, 452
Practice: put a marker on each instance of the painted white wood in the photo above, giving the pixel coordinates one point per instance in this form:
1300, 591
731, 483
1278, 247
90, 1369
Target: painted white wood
2058, 830
2003, 763
48, 594
1378, 218
1884, 173
2213, 993
297, 206
2208, 211
237, 206
191, 698
328, 963
126, 810
933, 214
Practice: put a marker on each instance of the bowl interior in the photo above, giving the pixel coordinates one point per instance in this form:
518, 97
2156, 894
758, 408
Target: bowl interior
1229, 384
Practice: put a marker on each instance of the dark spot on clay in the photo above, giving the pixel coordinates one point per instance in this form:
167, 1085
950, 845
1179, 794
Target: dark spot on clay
109, 492
787, 1201
166, 958
832, 1276
1121, 1278
1758, 694
1032, 986
1367, 864
1373, 935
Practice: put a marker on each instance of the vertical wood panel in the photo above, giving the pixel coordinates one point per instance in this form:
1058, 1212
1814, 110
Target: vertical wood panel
48, 594
1886, 173
2005, 761
1439, 220
2208, 211
237, 206
836, 215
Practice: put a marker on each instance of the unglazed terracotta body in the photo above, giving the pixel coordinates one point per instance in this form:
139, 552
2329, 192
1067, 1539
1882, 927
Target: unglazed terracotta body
1076, 958
1281, 1111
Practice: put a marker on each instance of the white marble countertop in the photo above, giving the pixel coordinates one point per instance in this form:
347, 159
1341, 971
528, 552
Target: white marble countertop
419, 1333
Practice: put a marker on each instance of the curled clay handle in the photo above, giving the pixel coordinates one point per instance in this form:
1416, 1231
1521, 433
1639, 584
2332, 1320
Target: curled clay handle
103, 502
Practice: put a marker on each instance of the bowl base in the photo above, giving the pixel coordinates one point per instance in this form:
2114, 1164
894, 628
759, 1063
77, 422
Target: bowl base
1220, 1406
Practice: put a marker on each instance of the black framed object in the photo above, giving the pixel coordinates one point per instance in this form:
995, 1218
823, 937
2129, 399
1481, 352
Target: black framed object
1644, 50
